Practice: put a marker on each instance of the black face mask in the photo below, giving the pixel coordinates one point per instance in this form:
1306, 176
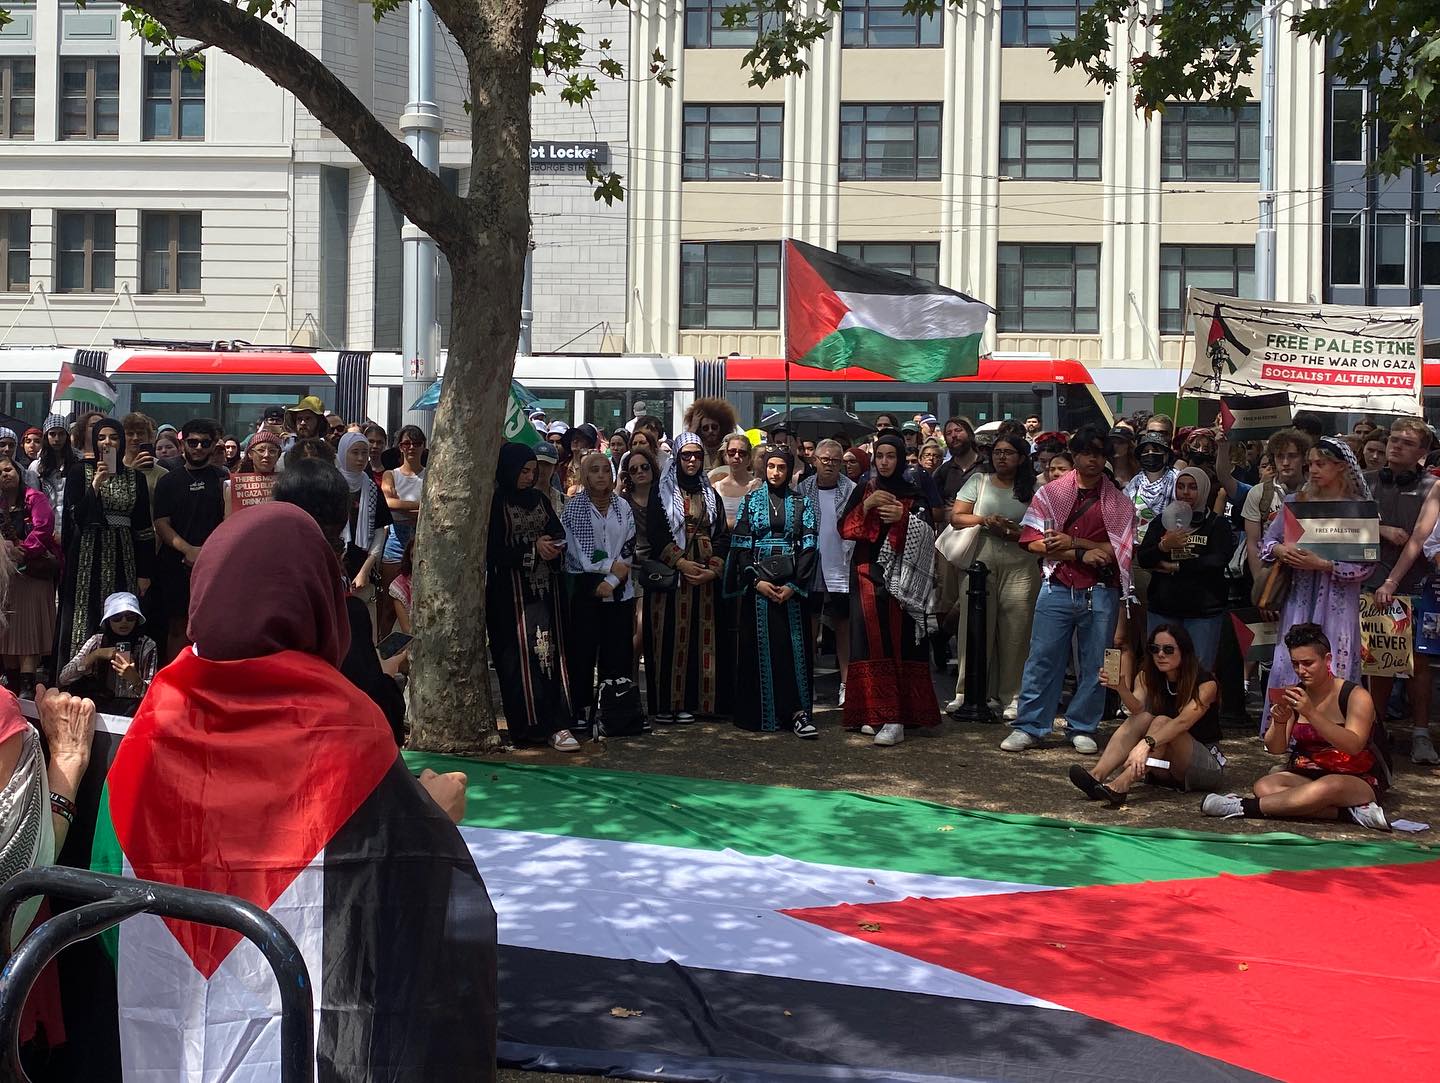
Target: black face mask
1154, 460
1201, 457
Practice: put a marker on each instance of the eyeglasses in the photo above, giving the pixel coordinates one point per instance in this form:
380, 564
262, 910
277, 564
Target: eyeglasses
199, 443
1167, 649
829, 460
411, 443
691, 455
638, 468
1005, 451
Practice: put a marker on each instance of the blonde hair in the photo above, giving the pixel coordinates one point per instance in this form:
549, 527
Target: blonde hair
1414, 425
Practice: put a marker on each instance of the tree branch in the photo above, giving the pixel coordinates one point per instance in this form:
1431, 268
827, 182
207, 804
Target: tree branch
414, 189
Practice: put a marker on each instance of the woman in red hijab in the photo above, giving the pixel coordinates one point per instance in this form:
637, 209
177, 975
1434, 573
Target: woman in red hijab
254, 768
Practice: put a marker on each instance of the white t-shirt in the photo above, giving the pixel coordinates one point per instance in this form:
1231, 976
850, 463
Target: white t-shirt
834, 550
1251, 511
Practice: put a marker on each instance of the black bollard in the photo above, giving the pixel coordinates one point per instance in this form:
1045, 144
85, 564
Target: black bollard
975, 708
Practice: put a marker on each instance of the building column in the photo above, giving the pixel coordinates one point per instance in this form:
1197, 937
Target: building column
1299, 161
812, 142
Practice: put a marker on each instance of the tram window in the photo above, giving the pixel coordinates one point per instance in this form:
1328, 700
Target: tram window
775, 404
1017, 405
868, 406
557, 407
242, 410
28, 401
1080, 404
175, 407
979, 409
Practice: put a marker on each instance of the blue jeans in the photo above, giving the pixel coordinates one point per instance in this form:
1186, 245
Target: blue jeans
1204, 633
1060, 614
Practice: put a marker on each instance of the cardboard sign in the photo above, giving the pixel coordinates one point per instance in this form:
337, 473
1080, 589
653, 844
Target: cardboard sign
1386, 637
1343, 530
247, 490
1254, 417
1256, 635
1327, 357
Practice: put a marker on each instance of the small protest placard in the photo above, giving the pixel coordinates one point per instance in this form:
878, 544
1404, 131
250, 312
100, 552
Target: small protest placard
1256, 635
1254, 417
247, 490
1344, 530
1386, 637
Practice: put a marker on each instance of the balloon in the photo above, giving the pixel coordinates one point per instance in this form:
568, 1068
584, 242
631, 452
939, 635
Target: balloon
1177, 515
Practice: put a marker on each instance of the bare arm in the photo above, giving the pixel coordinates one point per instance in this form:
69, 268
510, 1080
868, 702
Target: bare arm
1171, 728
1429, 512
393, 501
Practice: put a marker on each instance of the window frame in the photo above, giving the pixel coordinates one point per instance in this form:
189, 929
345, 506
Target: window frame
8, 248
856, 250
176, 100
1036, 36
1350, 220
8, 64
1383, 219
760, 314
1173, 258
1009, 318
88, 249
1361, 125
711, 168
1083, 114
173, 251
92, 99
714, 16
1182, 116
861, 9
858, 169
1429, 264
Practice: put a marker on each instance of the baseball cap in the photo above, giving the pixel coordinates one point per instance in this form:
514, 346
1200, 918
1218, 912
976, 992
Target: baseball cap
1153, 439
545, 452
910, 426
275, 413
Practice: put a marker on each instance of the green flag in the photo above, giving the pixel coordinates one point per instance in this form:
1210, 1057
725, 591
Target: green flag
518, 429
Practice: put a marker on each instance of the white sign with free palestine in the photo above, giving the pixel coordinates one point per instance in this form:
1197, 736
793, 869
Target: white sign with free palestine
1327, 357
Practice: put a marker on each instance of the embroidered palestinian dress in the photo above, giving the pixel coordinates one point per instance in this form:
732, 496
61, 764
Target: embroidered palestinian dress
682, 641
773, 667
889, 675
109, 546
524, 606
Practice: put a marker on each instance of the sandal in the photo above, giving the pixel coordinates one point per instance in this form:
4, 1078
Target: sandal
564, 741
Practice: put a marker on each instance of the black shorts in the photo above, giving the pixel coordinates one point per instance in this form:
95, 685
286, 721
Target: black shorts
828, 604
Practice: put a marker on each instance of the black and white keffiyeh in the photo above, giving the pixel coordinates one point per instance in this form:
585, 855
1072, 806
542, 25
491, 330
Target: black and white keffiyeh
670, 490
843, 488
909, 573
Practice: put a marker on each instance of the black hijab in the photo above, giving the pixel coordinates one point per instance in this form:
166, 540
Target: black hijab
691, 483
100, 426
895, 484
784, 455
513, 458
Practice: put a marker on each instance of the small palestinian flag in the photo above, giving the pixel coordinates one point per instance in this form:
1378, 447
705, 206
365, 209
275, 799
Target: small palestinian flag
310, 813
78, 384
841, 313
677, 928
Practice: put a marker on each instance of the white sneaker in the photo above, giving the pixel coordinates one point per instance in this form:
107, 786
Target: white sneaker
868, 731
892, 733
1084, 744
1018, 741
1371, 816
1422, 748
1226, 805
1012, 712
840, 700
955, 704
564, 741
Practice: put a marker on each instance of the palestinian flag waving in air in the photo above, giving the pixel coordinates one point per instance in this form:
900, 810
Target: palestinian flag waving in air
314, 817
677, 928
80, 384
842, 313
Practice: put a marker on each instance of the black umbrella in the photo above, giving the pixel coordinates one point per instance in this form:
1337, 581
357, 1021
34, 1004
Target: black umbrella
816, 422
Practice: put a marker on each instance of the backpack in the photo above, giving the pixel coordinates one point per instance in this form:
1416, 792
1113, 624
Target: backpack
619, 711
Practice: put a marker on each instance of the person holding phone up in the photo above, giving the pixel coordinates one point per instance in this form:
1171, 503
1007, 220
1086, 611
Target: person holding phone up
189, 507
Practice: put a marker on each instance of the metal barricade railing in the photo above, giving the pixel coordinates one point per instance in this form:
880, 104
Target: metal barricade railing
106, 901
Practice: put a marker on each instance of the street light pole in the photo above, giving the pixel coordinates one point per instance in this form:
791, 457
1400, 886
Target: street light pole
1265, 241
421, 125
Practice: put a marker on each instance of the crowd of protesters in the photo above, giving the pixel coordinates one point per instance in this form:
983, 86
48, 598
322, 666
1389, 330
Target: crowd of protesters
1112, 559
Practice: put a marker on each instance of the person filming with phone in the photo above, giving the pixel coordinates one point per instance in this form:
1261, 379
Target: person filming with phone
189, 507
1337, 768
1172, 734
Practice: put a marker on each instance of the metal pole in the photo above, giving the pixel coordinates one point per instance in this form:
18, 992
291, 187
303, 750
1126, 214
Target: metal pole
976, 708
1265, 235
421, 125
527, 304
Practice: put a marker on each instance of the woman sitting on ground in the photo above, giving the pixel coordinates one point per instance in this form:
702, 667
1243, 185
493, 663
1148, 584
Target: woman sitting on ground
1337, 767
116, 664
1174, 718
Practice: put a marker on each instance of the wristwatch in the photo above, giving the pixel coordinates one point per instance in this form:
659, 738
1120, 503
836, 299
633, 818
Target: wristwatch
1148, 740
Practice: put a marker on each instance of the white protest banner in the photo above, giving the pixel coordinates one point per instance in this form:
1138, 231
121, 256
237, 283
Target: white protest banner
1327, 357
1386, 637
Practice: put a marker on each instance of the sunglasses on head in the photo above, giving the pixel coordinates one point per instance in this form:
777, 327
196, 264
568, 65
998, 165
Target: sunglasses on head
1166, 649
199, 442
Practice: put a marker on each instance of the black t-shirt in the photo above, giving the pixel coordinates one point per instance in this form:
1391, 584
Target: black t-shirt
950, 477
1206, 729
193, 501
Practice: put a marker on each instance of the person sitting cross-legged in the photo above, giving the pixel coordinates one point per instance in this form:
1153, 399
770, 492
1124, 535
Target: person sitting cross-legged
1174, 717
1337, 768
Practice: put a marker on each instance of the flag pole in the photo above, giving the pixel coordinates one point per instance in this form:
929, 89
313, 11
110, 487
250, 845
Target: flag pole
784, 304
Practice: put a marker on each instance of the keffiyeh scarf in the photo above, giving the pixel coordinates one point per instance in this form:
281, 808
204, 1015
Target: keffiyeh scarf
1152, 495
909, 573
671, 494
1056, 500
27, 835
810, 487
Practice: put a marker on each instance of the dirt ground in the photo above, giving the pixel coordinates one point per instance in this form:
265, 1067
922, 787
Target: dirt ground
961, 764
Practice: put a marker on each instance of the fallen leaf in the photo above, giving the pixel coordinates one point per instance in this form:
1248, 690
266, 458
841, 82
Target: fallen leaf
945, 827
870, 926
1244, 966
1053, 944
625, 1013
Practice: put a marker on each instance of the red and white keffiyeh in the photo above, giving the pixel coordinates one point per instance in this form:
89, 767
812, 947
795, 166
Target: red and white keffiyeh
1056, 500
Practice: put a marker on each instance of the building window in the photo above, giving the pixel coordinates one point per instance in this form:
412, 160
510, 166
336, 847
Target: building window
90, 98
170, 252
733, 142
1228, 269
17, 97
919, 260
1346, 248
1206, 143
1039, 22
86, 247
730, 286
1347, 124
885, 24
1050, 142
1049, 288
1430, 249
889, 142
1392, 235
14, 250
174, 100
705, 26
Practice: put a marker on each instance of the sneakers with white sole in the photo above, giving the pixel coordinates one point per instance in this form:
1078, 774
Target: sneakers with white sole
1011, 712
804, 728
564, 741
1225, 805
955, 704
1371, 816
840, 700
867, 731
1084, 744
1018, 741
892, 733
1422, 748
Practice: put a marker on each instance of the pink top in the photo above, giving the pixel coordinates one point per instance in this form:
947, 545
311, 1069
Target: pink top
12, 722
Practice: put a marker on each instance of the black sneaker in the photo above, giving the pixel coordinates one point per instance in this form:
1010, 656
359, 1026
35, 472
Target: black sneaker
805, 729
1086, 782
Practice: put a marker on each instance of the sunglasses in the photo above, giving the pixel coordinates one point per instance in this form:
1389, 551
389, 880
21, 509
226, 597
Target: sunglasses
411, 443
1167, 649
735, 452
638, 468
691, 455
337, 428
199, 443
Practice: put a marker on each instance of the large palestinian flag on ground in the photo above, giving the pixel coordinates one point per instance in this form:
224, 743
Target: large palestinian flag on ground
680, 929
841, 313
